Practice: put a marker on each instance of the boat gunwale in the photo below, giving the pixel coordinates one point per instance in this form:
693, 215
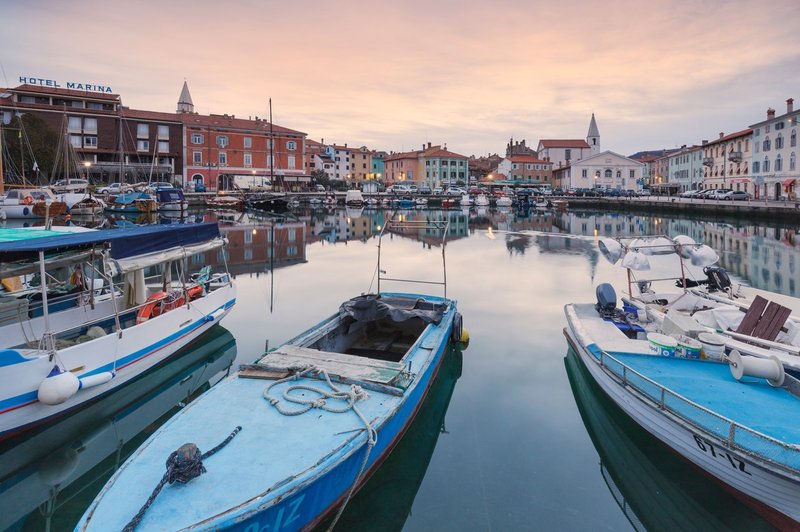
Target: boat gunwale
642, 396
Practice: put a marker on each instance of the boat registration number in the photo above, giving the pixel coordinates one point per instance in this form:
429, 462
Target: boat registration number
709, 448
285, 519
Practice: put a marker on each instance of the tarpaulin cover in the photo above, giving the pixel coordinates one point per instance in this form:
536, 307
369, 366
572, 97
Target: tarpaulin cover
126, 242
373, 307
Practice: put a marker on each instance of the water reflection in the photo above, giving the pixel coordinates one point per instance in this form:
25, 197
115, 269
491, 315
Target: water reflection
385, 501
654, 488
49, 477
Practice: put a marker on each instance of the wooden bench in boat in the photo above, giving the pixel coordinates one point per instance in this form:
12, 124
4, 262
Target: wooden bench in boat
764, 319
388, 377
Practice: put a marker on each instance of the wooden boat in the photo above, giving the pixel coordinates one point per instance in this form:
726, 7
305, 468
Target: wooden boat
730, 414
77, 344
225, 202
132, 202
290, 462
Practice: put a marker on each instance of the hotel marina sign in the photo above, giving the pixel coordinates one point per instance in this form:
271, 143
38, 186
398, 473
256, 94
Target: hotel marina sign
74, 85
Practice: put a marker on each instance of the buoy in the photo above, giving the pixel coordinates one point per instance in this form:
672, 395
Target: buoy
96, 380
767, 368
57, 387
464, 336
28, 200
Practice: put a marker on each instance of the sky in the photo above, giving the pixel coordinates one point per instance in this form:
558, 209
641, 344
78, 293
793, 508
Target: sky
394, 75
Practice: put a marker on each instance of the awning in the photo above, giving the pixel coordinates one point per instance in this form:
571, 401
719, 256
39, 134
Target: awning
160, 257
788, 182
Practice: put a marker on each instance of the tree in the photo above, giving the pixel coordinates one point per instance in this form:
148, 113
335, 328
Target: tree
28, 141
319, 177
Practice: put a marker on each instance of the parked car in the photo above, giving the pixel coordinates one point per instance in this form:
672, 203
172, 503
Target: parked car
319, 188
413, 189
70, 185
735, 195
437, 191
643, 192
424, 189
155, 185
456, 191
718, 193
115, 188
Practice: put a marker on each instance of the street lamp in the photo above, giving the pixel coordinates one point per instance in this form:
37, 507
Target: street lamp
86, 165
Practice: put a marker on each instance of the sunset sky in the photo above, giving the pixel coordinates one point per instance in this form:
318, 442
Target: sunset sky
394, 75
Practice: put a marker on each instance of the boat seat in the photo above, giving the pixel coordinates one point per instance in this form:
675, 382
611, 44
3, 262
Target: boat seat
764, 319
292, 357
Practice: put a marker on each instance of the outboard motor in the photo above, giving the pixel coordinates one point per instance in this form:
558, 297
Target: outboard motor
606, 299
718, 278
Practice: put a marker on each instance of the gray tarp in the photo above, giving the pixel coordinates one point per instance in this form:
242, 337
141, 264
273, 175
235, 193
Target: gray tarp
374, 307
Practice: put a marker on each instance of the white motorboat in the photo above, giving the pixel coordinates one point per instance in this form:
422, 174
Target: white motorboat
31, 203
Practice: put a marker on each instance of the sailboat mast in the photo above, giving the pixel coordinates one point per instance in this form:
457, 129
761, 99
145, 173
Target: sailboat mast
2, 177
271, 148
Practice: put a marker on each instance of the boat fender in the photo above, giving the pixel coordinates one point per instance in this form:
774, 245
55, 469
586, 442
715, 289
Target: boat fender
58, 466
25, 211
97, 379
216, 315
28, 200
767, 368
458, 326
57, 387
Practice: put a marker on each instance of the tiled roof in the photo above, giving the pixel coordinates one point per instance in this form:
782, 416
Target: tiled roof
149, 115
231, 122
440, 153
403, 155
741, 133
527, 159
564, 143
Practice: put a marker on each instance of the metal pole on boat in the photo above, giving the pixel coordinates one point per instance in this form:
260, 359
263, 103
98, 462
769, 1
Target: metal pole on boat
683, 273
42, 274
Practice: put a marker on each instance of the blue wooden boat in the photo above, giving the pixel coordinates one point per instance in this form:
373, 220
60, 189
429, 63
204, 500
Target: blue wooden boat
318, 415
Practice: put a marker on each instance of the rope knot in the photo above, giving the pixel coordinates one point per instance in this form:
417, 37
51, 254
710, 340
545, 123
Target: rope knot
184, 464
319, 403
359, 393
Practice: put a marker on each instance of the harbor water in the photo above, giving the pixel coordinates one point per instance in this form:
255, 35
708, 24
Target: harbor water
514, 435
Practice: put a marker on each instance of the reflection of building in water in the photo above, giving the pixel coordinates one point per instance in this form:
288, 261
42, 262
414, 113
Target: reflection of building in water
732, 244
343, 225
774, 258
608, 224
254, 246
428, 233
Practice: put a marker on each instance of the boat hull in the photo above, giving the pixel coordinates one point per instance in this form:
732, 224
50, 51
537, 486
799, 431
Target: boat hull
140, 348
773, 495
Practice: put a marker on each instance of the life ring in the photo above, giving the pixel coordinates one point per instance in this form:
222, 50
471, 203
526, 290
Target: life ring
195, 292
27, 200
158, 304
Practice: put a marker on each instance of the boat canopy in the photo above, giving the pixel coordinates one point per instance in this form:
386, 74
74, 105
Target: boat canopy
130, 197
126, 242
139, 262
373, 307
168, 195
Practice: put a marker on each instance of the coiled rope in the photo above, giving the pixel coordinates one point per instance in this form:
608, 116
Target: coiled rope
356, 393
183, 465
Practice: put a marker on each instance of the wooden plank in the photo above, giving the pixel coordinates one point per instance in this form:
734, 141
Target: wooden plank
350, 366
753, 316
367, 385
250, 372
772, 321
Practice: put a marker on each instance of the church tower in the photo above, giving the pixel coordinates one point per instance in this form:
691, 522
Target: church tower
185, 104
593, 137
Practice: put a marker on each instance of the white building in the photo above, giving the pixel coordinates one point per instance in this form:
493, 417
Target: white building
342, 164
606, 170
727, 161
563, 152
774, 157
686, 168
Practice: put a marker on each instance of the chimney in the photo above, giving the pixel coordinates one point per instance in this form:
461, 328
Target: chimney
770, 113
429, 145
789, 105
721, 134
703, 142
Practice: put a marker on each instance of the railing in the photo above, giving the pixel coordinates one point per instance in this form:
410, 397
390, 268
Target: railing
735, 156
736, 436
708, 161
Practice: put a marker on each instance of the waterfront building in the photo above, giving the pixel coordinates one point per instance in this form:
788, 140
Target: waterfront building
606, 170
360, 163
527, 168
342, 165
439, 167
481, 167
111, 142
774, 155
563, 152
519, 148
686, 170
401, 167
318, 156
727, 162
377, 171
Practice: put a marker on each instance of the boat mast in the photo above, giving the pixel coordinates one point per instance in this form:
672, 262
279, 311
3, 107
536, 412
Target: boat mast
2, 177
271, 148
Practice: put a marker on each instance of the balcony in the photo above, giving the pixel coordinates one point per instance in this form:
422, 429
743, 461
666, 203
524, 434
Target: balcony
735, 156
708, 161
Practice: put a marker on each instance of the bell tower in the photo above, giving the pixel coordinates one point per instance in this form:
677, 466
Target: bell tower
593, 136
185, 104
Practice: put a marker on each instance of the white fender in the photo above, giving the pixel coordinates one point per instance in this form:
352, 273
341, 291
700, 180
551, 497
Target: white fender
58, 466
96, 380
57, 387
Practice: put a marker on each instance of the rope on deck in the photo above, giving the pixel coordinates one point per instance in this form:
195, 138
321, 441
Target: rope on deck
356, 393
183, 465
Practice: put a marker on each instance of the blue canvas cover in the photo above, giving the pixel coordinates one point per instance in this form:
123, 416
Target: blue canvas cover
169, 195
126, 242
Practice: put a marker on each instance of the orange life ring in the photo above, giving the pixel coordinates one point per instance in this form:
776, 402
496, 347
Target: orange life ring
28, 200
158, 304
195, 292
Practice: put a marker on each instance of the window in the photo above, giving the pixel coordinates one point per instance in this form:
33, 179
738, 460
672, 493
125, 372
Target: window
163, 146
568, 154
74, 124
584, 173
778, 163
607, 174
248, 142
619, 174
197, 138
766, 165
94, 105
76, 141
222, 141
248, 159
632, 174
163, 132
291, 145
793, 138
779, 142
223, 158
756, 166
779, 125
766, 144
143, 145
142, 131
791, 162
291, 235
90, 125
291, 161
89, 142
197, 157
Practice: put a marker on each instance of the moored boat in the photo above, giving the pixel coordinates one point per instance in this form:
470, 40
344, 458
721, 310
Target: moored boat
354, 198
80, 344
31, 203
132, 202
731, 415
171, 199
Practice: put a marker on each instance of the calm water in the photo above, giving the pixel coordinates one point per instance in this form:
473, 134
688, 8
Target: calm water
513, 437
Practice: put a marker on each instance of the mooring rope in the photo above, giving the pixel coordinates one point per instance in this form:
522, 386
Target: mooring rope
183, 465
356, 393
